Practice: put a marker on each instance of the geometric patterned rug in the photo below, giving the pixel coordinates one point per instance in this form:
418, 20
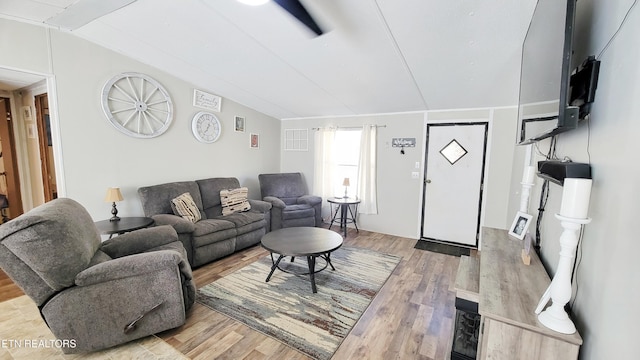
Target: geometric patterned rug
286, 309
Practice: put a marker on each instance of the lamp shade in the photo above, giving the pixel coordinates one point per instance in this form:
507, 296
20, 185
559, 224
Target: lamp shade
113, 195
345, 182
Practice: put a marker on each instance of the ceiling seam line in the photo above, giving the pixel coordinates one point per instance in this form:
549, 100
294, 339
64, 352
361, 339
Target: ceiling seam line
399, 53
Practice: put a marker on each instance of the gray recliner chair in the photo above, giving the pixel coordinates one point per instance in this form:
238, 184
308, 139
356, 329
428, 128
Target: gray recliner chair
99, 294
291, 203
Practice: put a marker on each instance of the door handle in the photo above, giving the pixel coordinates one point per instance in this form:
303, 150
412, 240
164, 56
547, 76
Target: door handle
428, 181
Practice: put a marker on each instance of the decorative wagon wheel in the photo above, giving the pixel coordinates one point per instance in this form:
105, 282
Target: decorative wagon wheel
137, 105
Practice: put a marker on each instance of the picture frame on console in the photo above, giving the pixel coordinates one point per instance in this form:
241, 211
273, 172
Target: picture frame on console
520, 225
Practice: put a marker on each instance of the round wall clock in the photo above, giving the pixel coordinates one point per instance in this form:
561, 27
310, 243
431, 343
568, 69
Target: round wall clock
206, 127
137, 105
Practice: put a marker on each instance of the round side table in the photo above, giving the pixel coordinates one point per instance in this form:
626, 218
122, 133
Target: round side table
348, 208
125, 224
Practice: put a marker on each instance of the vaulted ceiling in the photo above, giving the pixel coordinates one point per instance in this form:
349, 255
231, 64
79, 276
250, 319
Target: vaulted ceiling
376, 56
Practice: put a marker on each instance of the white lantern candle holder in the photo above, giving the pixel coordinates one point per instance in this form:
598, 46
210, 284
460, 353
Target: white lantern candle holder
575, 202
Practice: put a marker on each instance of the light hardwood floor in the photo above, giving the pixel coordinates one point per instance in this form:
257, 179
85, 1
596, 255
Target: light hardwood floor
410, 318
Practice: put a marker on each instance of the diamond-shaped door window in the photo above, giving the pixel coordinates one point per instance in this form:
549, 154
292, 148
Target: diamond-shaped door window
453, 151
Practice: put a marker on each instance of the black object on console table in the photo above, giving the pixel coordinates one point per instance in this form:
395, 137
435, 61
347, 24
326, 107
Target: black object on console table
556, 171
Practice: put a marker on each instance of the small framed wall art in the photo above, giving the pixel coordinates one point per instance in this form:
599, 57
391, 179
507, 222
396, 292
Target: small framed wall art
26, 113
239, 123
205, 100
255, 141
31, 130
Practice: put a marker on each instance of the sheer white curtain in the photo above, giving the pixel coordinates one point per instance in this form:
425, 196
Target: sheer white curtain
324, 164
367, 171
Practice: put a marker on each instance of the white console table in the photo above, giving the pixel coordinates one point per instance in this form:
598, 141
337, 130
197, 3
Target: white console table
508, 293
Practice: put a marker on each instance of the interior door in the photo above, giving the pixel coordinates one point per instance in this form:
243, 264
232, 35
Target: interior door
453, 182
47, 164
9, 177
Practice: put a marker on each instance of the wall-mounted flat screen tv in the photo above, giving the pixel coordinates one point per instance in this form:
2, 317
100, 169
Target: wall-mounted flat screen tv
546, 106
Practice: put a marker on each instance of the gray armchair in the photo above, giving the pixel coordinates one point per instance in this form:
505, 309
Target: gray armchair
99, 294
291, 203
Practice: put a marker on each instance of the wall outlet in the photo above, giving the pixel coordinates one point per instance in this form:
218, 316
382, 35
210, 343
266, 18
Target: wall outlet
415, 175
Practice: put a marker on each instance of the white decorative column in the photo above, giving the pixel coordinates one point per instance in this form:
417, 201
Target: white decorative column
527, 184
573, 214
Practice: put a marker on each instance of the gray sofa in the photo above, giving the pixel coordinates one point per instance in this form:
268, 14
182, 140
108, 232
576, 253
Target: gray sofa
215, 236
292, 204
91, 292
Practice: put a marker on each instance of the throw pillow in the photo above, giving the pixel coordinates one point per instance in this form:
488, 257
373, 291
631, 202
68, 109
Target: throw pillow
234, 200
184, 206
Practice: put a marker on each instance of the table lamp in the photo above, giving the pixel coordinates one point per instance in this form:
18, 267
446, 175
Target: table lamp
113, 195
346, 185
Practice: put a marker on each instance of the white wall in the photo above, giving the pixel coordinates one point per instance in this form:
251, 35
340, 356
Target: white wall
606, 289
96, 156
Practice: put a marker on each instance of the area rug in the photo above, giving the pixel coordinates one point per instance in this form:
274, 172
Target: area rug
442, 248
286, 309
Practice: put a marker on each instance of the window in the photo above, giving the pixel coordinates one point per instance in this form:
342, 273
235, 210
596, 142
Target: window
346, 153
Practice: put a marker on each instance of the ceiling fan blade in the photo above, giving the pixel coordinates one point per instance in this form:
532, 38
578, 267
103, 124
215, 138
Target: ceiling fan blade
295, 8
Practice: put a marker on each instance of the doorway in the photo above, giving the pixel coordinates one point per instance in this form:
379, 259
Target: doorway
453, 182
46, 148
10, 197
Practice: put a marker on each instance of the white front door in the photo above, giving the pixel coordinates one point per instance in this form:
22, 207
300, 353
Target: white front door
453, 182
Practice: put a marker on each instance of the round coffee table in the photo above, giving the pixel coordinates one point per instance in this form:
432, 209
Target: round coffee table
310, 242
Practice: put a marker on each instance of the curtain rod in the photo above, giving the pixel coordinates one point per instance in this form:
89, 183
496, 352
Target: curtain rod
345, 127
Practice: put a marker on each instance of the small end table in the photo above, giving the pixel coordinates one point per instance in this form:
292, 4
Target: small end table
125, 224
348, 208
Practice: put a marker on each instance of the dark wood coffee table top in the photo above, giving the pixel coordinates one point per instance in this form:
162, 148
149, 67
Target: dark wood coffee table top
302, 241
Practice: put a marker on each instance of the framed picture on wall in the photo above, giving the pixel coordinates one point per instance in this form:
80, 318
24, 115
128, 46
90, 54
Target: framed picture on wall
520, 225
239, 124
31, 131
255, 141
26, 113
205, 100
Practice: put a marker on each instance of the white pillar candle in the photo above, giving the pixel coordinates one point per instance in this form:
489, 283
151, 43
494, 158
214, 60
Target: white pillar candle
575, 198
529, 173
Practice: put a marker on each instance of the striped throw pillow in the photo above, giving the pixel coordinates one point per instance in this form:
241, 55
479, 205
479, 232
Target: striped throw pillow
184, 206
234, 200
